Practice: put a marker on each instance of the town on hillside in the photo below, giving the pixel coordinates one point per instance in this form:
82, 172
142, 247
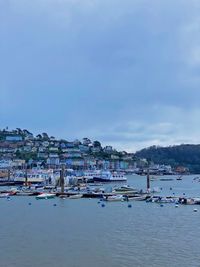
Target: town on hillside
19, 148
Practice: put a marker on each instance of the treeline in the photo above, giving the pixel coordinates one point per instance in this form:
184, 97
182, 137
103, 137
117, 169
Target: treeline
181, 155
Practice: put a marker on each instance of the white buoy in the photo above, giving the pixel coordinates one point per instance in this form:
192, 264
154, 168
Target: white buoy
195, 210
176, 206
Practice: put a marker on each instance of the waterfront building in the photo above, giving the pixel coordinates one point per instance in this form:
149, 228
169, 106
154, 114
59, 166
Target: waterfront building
108, 149
14, 138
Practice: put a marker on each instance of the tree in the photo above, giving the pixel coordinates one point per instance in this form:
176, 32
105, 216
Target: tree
39, 136
19, 131
96, 144
45, 136
26, 132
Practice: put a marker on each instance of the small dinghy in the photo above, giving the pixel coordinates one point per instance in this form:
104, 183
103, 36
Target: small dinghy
114, 198
137, 198
77, 196
4, 195
45, 196
25, 193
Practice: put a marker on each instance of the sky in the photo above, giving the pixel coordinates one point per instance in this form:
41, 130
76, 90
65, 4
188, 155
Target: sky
125, 73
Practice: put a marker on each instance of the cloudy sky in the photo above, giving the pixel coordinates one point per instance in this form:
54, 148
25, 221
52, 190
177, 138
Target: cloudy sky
122, 72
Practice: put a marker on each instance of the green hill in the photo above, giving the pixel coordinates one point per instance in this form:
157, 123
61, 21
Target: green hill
181, 155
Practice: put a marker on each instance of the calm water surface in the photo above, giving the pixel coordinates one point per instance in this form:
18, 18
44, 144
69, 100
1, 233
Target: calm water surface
80, 232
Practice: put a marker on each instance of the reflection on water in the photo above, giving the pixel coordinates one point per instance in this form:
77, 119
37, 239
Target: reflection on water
81, 233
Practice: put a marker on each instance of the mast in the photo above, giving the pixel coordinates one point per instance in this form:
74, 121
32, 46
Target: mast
62, 179
148, 180
26, 175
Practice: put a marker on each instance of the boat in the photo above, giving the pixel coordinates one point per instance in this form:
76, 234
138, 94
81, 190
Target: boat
166, 179
179, 178
107, 176
45, 196
4, 195
196, 201
76, 196
162, 199
153, 178
124, 190
114, 198
165, 200
26, 193
90, 174
137, 197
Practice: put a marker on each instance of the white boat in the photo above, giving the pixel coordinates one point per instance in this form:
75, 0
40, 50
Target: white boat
114, 198
77, 196
125, 190
107, 176
45, 196
89, 175
138, 198
4, 195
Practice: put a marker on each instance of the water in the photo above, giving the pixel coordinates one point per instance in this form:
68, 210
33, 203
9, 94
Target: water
80, 232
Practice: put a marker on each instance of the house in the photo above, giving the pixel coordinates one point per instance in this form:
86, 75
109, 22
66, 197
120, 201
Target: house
34, 149
18, 163
29, 136
53, 149
5, 164
75, 162
86, 141
42, 155
114, 156
96, 149
27, 148
62, 144
37, 143
45, 143
84, 148
41, 149
76, 142
69, 145
108, 149
127, 157
53, 159
14, 138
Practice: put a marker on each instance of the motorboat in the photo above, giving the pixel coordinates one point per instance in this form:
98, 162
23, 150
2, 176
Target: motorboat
137, 197
45, 196
4, 195
125, 190
76, 196
166, 179
114, 198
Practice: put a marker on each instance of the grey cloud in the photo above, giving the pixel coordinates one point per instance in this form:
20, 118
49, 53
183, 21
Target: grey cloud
114, 70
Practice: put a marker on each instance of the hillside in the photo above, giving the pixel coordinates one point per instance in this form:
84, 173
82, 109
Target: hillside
181, 155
